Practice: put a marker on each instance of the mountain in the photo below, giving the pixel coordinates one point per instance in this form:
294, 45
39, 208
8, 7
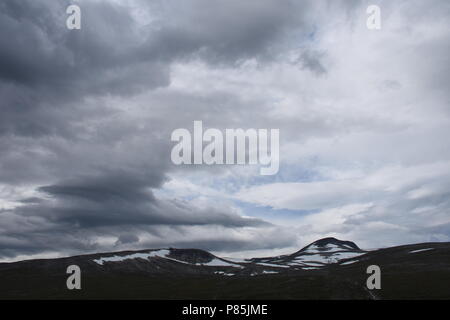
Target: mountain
325, 269
316, 255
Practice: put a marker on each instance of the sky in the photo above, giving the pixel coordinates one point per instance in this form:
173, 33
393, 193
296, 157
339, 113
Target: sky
86, 118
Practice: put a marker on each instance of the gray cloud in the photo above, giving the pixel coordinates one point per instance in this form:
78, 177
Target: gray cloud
312, 61
46, 68
127, 238
86, 118
223, 31
87, 207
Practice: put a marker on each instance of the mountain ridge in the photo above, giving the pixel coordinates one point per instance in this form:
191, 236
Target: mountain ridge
199, 252
326, 268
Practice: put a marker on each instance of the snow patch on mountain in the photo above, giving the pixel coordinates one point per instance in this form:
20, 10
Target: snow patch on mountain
421, 250
157, 253
163, 253
221, 263
272, 265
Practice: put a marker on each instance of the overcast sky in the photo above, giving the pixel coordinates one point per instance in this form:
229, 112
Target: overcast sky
86, 119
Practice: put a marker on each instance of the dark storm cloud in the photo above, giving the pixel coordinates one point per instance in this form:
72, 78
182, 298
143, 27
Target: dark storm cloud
86, 115
223, 31
98, 58
95, 168
111, 186
84, 208
122, 200
113, 54
45, 68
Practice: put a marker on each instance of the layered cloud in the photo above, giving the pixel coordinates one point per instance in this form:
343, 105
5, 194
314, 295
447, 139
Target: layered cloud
86, 118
